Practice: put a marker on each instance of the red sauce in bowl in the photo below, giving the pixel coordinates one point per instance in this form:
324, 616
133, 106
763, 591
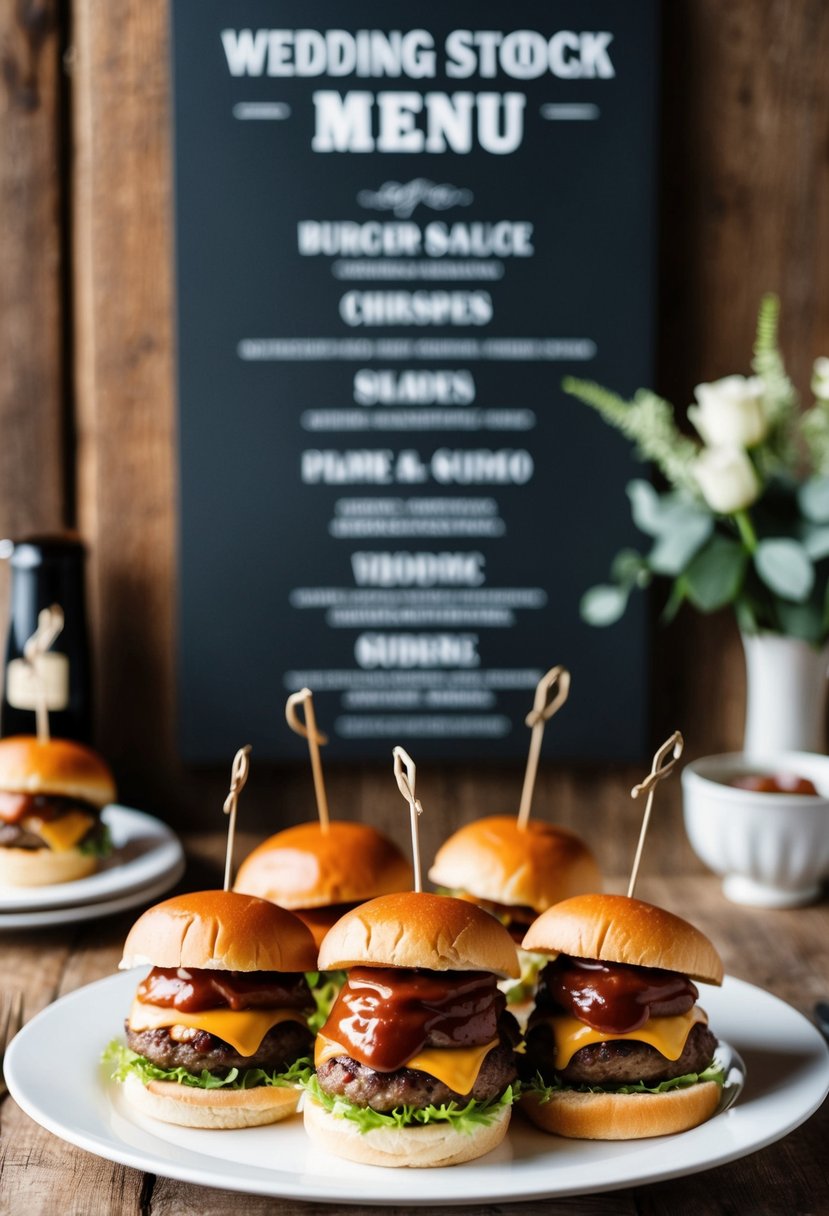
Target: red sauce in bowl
774, 783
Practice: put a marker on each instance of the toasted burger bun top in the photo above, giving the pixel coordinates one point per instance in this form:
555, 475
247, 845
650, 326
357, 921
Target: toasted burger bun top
534, 867
220, 931
60, 767
617, 929
305, 867
418, 929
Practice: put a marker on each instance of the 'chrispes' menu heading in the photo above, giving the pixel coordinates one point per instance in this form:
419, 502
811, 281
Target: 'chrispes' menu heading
406, 120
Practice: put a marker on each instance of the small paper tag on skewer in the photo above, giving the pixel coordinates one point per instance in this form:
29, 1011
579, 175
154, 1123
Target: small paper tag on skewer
308, 730
551, 692
406, 774
238, 777
49, 627
660, 769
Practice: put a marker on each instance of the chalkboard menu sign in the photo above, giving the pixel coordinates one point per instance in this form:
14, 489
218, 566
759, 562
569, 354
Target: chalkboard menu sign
397, 229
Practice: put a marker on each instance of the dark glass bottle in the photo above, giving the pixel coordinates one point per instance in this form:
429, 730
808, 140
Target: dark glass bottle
47, 570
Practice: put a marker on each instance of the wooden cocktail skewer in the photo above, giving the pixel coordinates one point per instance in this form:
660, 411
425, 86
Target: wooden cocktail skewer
556, 681
238, 777
308, 730
406, 784
659, 769
49, 627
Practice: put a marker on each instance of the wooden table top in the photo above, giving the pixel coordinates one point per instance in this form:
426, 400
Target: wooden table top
786, 952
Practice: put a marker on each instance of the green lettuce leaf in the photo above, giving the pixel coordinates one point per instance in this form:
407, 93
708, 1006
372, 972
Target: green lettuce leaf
98, 843
524, 989
544, 1092
128, 1062
325, 988
462, 1118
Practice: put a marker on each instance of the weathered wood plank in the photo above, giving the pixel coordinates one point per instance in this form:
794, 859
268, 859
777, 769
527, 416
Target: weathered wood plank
125, 429
32, 487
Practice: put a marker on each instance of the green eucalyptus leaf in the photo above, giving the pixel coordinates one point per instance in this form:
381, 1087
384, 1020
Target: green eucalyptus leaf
604, 604
715, 576
645, 507
816, 542
786, 568
746, 616
803, 621
629, 569
675, 548
813, 497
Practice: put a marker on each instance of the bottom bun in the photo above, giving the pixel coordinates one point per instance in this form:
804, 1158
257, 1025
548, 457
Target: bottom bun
584, 1116
192, 1107
41, 867
419, 1147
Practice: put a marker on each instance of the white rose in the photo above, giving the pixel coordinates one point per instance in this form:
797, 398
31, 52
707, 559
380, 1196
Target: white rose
820, 379
730, 412
727, 479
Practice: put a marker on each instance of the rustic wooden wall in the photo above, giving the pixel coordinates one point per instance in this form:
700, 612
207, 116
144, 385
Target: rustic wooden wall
33, 417
745, 208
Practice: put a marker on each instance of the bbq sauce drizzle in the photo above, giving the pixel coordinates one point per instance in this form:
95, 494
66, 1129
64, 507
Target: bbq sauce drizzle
193, 989
615, 998
384, 1016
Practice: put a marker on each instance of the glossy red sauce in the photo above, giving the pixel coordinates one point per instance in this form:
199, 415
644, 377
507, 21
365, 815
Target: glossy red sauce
193, 989
385, 1015
774, 783
614, 997
15, 807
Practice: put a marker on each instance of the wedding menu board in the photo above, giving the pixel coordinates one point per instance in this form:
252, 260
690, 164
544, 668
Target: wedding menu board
396, 231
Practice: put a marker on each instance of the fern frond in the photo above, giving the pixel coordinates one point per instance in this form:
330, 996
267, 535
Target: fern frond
765, 339
649, 421
779, 394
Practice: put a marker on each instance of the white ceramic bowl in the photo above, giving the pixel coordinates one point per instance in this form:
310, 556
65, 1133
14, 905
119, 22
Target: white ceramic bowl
772, 849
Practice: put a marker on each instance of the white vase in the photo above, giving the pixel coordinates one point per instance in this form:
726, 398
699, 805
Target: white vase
785, 695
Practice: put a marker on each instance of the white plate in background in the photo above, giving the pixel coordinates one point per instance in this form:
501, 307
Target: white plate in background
37, 918
69, 1093
144, 851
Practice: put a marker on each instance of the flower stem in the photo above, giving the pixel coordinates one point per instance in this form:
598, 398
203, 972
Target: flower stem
747, 533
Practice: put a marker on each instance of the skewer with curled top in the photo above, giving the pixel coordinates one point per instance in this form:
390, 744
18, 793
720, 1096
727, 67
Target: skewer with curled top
406, 774
50, 622
660, 769
238, 778
308, 729
551, 693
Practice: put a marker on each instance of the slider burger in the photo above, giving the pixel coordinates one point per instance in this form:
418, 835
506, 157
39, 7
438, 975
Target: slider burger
617, 1044
320, 875
51, 796
516, 873
415, 1064
217, 1035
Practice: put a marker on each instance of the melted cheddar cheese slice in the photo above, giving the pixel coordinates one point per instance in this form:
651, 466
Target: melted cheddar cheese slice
243, 1029
62, 833
457, 1067
667, 1035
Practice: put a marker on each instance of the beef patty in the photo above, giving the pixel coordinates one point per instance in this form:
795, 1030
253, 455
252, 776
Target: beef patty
384, 1091
618, 1061
280, 1048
